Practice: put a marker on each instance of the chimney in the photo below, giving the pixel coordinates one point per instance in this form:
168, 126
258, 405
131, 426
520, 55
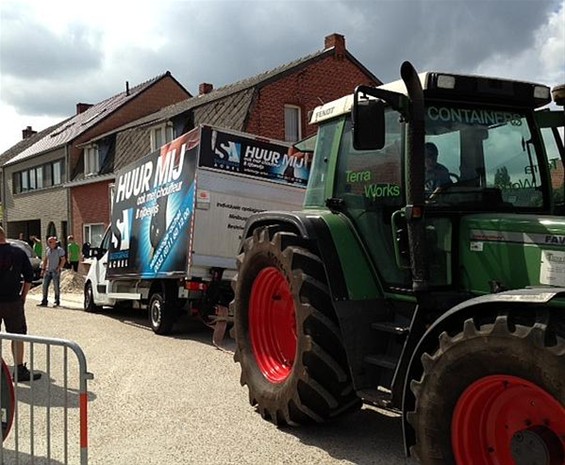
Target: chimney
336, 41
205, 88
28, 132
82, 107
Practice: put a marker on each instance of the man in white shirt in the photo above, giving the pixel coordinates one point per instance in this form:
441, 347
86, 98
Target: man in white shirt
53, 263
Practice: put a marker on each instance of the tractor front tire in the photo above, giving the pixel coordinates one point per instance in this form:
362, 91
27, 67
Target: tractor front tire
492, 394
288, 341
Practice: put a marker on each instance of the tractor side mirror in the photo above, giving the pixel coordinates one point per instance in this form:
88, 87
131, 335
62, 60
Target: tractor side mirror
368, 123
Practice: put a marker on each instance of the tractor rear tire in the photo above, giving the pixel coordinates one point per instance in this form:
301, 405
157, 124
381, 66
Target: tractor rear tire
288, 341
492, 395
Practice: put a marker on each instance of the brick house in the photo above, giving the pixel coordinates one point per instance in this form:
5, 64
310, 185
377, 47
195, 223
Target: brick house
35, 197
274, 104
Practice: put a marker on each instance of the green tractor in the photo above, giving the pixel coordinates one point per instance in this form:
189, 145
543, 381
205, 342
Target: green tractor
426, 273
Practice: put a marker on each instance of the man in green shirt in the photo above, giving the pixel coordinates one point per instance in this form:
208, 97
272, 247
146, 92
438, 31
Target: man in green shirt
37, 246
73, 253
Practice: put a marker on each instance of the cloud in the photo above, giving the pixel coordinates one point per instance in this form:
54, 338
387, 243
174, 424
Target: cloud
29, 50
53, 54
452, 36
543, 61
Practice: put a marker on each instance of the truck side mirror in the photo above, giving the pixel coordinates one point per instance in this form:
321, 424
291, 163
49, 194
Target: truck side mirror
86, 250
100, 253
368, 123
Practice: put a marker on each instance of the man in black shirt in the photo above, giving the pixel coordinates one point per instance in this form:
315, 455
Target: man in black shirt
15, 265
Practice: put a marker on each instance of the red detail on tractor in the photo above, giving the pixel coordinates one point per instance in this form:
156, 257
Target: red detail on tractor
501, 418
8, 399
272, 323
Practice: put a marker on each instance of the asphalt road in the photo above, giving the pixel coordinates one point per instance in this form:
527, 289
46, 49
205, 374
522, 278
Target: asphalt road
177, 400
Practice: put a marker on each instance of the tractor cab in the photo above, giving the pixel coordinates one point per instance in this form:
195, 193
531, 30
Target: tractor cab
475, 150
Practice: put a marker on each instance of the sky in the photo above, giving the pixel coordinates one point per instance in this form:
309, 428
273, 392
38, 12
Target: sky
57, 53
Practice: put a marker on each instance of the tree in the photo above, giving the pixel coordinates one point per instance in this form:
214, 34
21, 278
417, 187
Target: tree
502, 178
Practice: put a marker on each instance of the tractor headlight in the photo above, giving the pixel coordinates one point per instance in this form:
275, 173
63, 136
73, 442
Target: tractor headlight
445, 82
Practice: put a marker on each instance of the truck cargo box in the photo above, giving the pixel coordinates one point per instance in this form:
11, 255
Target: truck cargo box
180, 211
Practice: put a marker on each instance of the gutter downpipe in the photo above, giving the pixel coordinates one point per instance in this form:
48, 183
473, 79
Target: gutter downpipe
68, 192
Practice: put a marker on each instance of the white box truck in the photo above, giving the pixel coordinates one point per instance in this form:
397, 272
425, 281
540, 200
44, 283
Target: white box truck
177, 218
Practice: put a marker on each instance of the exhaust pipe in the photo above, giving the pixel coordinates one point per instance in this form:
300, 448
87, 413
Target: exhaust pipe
415, 178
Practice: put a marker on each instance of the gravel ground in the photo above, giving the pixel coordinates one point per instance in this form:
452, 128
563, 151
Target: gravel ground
177, 400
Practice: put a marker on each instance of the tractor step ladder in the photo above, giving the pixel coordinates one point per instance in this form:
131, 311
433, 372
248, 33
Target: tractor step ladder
383, 364
391, 328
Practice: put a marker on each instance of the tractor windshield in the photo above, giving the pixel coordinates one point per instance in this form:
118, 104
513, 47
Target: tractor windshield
481, 158
478, 158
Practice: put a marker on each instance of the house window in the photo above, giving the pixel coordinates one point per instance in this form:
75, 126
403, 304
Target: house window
91, 160
292, 126
58, 172
25, 181
93, 233
32, 180
51, 230
160, 135
39, 177
48, 175
16, 183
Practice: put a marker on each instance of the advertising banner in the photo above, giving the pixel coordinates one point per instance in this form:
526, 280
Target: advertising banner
236, 153
153, 209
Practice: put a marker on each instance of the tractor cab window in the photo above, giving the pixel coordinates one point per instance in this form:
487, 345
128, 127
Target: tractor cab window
551, 125
320, 175
372, 176
489, 158
370, 185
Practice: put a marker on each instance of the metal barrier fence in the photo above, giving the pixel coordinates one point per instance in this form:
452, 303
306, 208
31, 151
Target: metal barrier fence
44, 421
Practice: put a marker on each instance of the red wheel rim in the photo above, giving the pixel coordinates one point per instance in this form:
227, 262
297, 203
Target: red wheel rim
8, 399
272, 325
494, 409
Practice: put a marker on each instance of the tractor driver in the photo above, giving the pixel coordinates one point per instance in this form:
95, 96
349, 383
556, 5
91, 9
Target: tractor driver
437, 175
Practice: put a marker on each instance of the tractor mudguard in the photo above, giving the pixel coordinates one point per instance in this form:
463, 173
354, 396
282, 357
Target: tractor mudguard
295, 221
350, 274
518, 298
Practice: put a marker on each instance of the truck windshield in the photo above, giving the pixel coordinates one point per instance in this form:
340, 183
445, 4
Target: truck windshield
481, 158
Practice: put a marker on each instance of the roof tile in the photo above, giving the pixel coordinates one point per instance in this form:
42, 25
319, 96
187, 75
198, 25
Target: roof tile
78, 124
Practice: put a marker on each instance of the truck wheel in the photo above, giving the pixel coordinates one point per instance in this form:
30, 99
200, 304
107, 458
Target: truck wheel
89, 304
288, 341
493, 395
162, 318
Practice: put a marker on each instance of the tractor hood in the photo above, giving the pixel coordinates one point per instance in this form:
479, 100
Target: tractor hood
501, 252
